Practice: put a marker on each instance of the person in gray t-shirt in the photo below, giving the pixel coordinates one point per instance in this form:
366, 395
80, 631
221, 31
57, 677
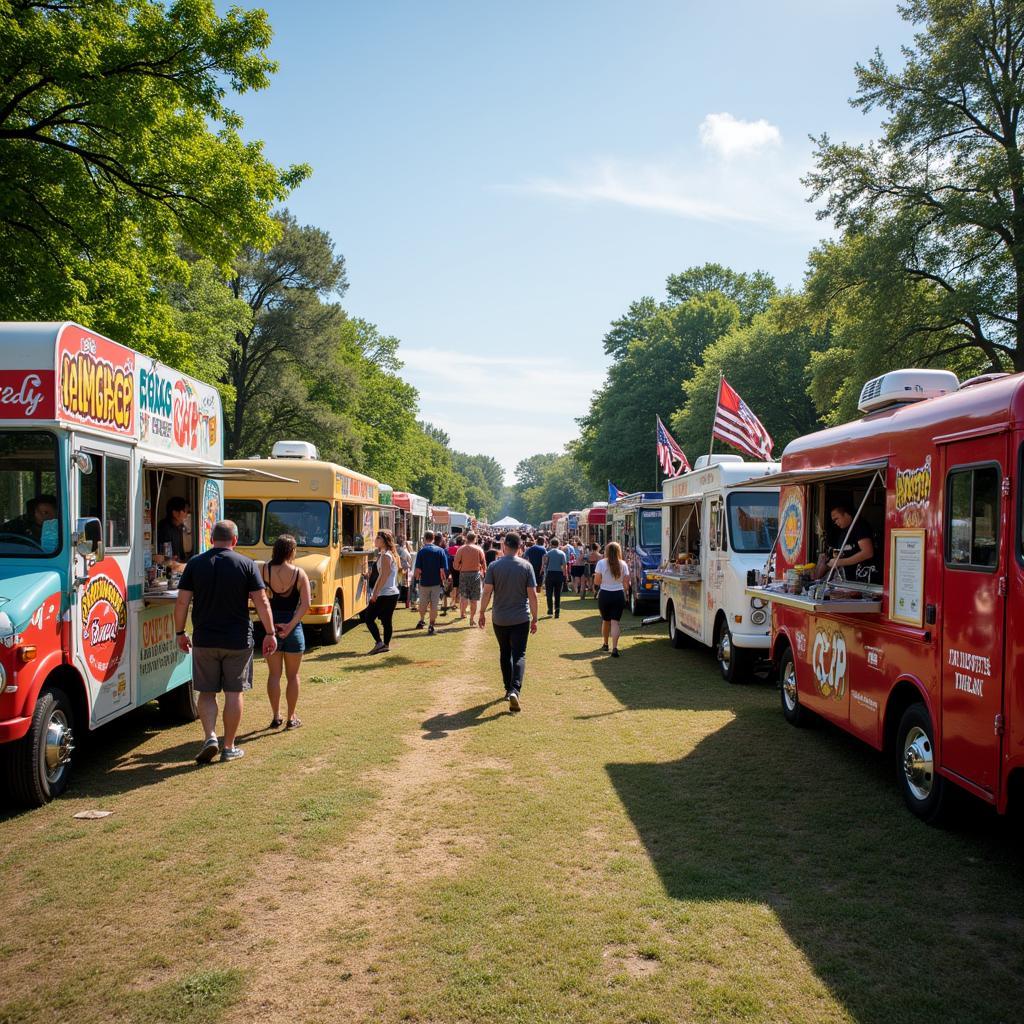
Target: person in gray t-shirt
511, 583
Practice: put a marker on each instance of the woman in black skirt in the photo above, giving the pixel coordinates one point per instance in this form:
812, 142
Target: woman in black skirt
611, 577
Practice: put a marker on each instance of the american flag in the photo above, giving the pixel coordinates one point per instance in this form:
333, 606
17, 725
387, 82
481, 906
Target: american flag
670, 455
735, 424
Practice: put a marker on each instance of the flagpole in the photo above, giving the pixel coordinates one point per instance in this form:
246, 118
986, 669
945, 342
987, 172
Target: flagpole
657, 463
718, 397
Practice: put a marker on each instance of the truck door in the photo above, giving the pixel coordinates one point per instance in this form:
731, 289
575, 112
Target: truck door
975, 538
102, 644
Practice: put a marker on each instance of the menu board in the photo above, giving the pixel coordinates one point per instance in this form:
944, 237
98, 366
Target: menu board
906, 576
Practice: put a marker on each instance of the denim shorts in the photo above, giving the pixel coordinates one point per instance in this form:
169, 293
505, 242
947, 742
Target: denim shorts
294, 642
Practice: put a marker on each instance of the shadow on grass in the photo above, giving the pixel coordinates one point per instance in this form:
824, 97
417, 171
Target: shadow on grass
900, 921
438, 727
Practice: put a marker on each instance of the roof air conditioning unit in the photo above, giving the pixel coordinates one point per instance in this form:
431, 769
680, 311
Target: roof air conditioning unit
903, 386
294, 450
704, 461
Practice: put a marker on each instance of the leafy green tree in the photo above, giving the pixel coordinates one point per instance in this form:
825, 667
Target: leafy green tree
869, 318
940, 196
563, 487
630, 327
288, 372
750, 292
617, 439
118, 151
766, 362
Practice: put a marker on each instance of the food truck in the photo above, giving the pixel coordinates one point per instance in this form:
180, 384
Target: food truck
332, 512
410, 516
635, 524
386, 506
593, 524
95, 440
560, 526
918, 650
718, 523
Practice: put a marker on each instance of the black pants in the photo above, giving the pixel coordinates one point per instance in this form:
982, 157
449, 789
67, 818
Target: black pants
384, 609
553, 582
512, 654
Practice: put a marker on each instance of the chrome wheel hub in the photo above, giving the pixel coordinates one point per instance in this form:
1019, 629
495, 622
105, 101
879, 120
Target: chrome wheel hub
725, 649
58, 746
918, 763
789, 687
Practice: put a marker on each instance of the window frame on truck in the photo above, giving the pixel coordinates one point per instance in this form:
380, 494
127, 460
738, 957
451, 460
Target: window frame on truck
972, 468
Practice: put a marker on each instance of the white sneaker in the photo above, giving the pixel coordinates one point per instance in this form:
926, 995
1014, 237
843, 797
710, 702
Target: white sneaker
513, 702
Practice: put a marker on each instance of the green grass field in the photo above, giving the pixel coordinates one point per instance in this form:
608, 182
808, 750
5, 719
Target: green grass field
643, 844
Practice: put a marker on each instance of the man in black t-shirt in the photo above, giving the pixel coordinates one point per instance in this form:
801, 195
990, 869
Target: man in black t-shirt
219, 584
856, 557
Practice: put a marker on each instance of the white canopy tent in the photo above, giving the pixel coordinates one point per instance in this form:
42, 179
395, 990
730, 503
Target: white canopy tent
507, 523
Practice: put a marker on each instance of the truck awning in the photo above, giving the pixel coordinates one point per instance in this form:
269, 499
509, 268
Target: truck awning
198, 467
815, 476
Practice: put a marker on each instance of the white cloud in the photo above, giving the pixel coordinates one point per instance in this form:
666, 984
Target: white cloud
506, 406
741, 173
729, 137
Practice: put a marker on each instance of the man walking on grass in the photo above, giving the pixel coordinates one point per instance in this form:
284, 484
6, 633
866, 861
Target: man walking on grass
512, 584
219, 584
430, 574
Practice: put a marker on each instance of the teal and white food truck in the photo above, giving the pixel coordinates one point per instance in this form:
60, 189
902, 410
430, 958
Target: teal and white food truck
96, 440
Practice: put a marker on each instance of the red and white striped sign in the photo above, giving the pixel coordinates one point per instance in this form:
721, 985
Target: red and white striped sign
736, 425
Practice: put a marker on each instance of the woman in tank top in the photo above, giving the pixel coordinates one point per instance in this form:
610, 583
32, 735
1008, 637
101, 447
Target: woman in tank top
384, 596
288, 590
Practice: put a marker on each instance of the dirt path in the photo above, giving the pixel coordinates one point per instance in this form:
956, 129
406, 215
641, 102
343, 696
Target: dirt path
313, 931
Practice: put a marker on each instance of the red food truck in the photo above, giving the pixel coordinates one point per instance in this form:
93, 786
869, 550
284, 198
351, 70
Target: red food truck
919, 650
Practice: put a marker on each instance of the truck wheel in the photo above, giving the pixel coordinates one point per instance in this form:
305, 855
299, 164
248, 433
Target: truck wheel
331, 632
180, 704
39, 764
676, 637
733, 661
924, 790
792, 709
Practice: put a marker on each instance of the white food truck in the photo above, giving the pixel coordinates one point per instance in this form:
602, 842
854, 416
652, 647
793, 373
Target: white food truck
713, 533
96, 441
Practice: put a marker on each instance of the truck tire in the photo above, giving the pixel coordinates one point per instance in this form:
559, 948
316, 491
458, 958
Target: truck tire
733, 661
330, 633
792, 710
676, 637
924, 790
180, 704
38, 766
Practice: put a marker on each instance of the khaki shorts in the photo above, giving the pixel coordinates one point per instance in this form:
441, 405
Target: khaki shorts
430, 596
221, 669
469, 586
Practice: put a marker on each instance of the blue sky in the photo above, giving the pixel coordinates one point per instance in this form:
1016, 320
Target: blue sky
503, 179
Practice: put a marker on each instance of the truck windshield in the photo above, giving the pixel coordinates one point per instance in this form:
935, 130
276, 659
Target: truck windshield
309, 522
29, 495
650, 528
753, 521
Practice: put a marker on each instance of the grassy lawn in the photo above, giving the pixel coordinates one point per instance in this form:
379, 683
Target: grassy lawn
643, 844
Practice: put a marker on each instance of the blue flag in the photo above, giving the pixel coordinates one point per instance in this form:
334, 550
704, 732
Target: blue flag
613, 492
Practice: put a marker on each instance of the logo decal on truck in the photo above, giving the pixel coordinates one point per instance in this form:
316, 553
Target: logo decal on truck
104, 620
829, 661
792, 532
913, 492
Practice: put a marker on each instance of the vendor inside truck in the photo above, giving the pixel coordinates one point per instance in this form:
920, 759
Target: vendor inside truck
852, 544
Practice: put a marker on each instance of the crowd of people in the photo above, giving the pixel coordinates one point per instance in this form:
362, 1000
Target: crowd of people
470, 573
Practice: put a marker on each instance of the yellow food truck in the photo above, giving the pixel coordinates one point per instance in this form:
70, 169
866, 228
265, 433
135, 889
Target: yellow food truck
332, 512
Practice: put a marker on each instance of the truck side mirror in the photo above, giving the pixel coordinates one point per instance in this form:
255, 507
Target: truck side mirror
89, 539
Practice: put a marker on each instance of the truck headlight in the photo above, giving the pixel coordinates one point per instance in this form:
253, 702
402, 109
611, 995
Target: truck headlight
3, 678
759, 617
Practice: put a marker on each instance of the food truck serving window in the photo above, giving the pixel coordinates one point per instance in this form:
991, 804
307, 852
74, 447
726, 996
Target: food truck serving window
753, 521
309, 522
29, 495
972, 517
247, 515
